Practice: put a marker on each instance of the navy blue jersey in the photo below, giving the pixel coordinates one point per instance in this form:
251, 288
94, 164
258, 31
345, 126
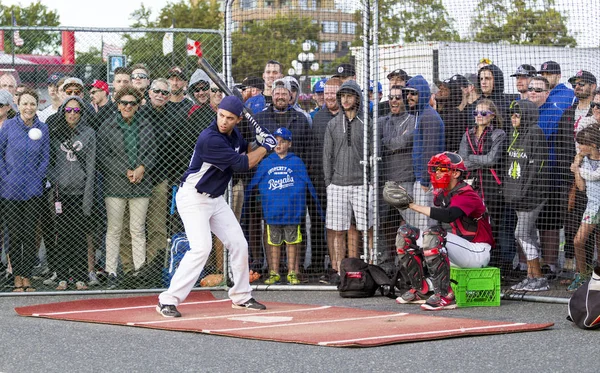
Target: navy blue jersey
216, 156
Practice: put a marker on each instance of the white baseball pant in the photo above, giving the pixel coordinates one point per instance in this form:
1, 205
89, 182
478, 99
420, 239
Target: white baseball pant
201, 215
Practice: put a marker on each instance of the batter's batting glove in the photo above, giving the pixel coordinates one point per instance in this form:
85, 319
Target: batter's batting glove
396, 196
269, 142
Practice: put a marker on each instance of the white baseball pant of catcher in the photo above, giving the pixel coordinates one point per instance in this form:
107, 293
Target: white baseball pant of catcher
201, 215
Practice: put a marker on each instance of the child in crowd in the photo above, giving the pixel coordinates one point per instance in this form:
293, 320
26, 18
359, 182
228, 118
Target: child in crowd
586, 168
282, 180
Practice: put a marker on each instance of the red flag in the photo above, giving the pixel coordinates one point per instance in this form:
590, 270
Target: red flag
194, 47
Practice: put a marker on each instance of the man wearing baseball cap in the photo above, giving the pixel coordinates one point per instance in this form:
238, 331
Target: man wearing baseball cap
560, 94
55, 100
103, 106
252, 88
318, 96
345, 72
398, 77
523, 74
219, 152
178, 81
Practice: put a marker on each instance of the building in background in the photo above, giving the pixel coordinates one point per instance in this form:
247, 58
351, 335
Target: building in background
338, 27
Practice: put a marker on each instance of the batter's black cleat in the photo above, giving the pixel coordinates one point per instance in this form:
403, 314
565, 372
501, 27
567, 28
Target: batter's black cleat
167, 310
250, 304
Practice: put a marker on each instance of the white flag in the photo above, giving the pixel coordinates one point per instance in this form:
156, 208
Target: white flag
194, 48
168, 43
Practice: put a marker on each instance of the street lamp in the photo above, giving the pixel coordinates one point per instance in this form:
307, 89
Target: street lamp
304, 63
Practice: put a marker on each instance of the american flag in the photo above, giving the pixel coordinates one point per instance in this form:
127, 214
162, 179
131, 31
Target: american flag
108, 49
17, 38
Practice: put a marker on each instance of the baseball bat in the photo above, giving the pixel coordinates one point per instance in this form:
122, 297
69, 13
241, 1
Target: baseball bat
214, 76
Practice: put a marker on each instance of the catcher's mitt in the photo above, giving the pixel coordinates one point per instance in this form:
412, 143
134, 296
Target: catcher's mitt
396, 196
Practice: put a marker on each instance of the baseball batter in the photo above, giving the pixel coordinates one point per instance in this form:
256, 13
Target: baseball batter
219, 151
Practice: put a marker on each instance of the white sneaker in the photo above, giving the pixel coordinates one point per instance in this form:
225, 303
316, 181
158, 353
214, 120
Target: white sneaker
537, 284
51, 280
522, 284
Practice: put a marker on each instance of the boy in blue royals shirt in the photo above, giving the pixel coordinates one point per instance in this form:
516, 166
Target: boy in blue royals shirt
282, 181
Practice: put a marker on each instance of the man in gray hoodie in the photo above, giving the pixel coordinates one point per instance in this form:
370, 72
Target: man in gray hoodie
348, 196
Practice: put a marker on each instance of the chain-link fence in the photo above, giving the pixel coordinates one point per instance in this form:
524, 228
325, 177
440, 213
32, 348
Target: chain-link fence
89, 203
424, 85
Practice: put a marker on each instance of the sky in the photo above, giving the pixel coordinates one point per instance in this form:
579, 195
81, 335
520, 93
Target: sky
95, 13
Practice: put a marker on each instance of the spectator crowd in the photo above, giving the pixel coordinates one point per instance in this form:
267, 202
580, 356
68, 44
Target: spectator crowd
91, 177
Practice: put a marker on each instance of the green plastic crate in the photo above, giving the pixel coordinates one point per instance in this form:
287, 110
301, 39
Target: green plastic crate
476, 287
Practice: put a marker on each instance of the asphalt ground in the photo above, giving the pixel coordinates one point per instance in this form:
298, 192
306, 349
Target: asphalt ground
43, 345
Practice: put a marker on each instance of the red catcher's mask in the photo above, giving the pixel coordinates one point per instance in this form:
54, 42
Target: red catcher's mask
444, 163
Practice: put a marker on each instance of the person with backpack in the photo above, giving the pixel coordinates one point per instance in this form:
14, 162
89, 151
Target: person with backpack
467, 244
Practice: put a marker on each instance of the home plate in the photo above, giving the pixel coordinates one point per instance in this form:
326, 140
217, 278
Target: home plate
281, 322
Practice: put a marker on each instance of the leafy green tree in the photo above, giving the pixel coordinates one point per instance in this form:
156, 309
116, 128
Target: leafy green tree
36, 14
411, 21
426, 20
279, 38
92, 57
520, 22
146, 47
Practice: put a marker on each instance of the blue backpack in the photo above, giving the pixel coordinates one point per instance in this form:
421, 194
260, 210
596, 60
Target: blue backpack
179, 246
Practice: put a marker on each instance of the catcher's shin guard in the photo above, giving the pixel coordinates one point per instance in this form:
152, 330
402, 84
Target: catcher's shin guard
410, 257
436, 258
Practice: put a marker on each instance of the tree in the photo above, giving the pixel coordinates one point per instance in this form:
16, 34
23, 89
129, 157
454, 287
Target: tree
279, 38
147, 47
92, 57
413, 21
520, 22
426, 20
36, 14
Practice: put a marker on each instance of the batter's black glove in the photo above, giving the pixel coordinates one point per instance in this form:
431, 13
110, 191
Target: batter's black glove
396, 196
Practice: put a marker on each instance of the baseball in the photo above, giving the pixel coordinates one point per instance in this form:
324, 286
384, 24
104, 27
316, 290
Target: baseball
35, 134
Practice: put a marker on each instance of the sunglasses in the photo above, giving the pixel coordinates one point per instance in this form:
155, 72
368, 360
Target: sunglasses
161, 91
72, 92
412, 93
75, 110
200, 88
581, 84
215, 90
396, 97
595, 105
536, 90
484, 113
130, 103
139, 76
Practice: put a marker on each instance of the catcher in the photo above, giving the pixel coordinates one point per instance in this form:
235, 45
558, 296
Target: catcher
459, 210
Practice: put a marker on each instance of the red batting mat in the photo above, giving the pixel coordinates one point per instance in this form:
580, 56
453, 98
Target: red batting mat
281, 322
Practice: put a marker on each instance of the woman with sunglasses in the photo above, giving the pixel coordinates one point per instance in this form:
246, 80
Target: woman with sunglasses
72, 175
482, 147
126, 152
24, 159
